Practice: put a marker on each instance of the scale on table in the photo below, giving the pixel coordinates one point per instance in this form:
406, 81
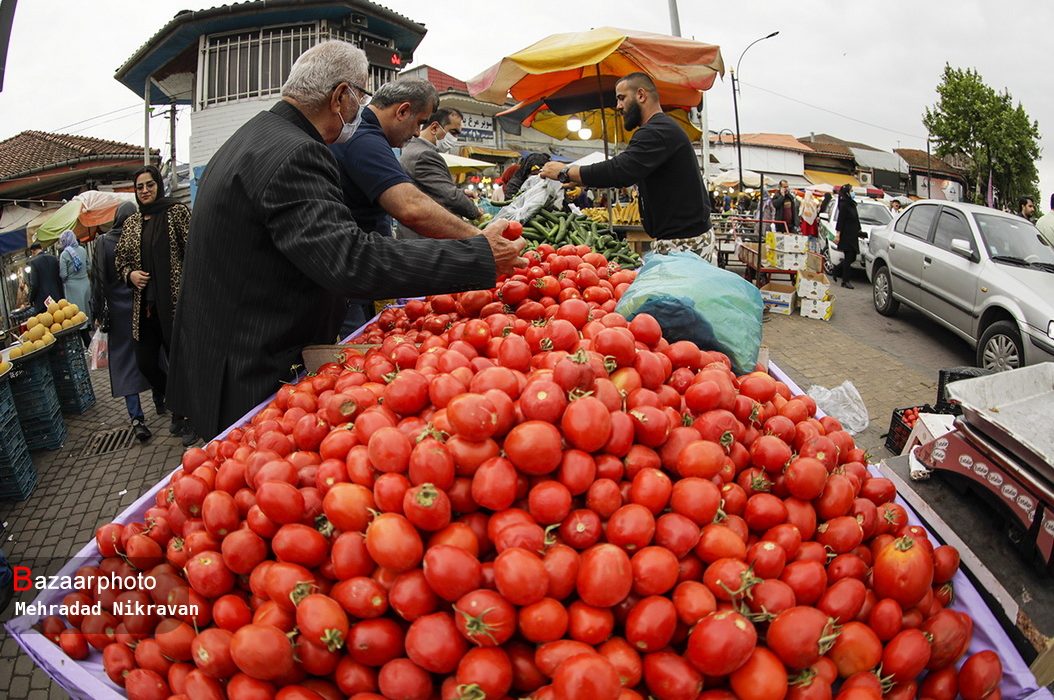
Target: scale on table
1004, 442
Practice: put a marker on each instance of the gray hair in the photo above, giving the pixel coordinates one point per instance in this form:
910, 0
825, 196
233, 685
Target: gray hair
421, 95
321, 68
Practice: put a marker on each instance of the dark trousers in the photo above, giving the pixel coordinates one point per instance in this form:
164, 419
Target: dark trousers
848, 258
152, 339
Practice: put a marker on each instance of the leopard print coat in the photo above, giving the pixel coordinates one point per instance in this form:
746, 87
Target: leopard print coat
128, 257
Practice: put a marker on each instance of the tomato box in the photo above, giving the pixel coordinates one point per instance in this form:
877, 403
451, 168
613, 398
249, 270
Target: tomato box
779, 297
821, 309
900, 427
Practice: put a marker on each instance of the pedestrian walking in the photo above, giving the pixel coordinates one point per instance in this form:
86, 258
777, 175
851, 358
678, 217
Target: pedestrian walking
73, 269
150, 259
847, 234
112, 310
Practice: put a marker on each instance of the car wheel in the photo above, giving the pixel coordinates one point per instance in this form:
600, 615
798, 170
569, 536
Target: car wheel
1000, 347
882, 292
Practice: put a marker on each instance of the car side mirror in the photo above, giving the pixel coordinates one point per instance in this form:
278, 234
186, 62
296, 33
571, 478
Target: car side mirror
962, 247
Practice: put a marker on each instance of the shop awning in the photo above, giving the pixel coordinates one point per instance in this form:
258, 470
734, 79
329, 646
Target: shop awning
820, 177
487, 153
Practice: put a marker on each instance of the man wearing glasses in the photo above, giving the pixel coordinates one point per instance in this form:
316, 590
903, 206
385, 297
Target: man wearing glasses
374, 183
273, 253
422, 161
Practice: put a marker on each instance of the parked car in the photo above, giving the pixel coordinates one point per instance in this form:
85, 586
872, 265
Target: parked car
985, 275
873, 214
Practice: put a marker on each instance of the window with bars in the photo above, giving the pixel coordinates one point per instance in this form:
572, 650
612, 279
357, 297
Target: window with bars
249, 65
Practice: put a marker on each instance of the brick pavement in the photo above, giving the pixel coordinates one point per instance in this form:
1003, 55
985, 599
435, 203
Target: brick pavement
74, 495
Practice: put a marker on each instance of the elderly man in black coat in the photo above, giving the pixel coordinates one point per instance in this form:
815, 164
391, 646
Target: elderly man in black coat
273, 252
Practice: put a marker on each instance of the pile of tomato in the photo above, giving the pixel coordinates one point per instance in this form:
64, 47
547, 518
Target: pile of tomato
519, 493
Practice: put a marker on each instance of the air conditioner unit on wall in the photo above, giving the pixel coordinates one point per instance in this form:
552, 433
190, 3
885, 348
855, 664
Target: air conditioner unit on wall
865, 178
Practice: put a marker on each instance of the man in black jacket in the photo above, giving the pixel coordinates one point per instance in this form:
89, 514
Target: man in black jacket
659, 160
273, 252
44, 278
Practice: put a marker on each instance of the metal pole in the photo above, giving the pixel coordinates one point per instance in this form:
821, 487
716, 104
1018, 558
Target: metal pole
739, 147
604, 127
929, 171
675, 19
761, 217
172, 150
146, 123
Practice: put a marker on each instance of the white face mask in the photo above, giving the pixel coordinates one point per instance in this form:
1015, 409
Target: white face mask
447, 144
349, 128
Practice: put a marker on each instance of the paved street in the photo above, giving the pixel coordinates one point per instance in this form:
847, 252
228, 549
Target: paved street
893, 363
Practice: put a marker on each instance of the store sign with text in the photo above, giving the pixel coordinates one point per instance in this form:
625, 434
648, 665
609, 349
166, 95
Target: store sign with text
475, 126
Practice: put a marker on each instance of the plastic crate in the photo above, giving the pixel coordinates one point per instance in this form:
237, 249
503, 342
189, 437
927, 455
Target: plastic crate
18, 479
12, 442
946, 377
899, 431
7, 402
45, 434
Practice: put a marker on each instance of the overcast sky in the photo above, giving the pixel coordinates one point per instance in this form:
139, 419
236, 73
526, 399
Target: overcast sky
861, 71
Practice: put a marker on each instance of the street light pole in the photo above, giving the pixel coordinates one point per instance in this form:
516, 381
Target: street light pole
929, 170
735, 104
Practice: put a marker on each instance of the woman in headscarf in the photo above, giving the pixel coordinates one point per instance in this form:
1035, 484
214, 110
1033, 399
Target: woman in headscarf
847, 234
112, 308
150, 260
73, 269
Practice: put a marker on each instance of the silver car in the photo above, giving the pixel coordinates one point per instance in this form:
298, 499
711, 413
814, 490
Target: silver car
985, 275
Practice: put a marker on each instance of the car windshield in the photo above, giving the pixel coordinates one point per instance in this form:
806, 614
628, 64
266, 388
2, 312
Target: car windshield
875, 214
1014, 240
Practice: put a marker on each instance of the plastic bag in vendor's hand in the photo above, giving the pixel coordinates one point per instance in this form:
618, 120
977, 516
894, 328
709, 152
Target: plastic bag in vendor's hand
694, 300
535, 194
844, 403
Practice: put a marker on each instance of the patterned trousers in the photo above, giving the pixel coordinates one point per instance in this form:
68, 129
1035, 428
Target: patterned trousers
703, 245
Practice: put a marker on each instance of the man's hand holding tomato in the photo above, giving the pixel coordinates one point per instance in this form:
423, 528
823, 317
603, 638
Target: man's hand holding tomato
506, 252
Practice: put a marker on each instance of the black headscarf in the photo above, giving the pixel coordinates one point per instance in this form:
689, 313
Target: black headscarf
161, 203
154, 245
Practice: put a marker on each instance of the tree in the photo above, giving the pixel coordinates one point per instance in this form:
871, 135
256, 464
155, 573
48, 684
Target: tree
993, 135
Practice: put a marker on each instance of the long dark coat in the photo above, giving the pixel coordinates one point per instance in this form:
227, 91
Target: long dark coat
848, 225
112, 304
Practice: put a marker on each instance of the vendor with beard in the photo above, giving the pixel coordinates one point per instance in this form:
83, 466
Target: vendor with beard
660, 161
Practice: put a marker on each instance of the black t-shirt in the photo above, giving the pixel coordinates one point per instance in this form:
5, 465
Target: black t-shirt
660, 160
368, 167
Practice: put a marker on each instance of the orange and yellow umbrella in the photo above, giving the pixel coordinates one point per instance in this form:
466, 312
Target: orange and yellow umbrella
681, 68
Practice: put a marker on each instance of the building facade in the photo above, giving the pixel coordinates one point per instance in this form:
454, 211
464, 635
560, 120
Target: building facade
228, 63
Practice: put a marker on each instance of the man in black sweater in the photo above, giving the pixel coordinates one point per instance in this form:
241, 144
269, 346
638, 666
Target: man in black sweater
659, 160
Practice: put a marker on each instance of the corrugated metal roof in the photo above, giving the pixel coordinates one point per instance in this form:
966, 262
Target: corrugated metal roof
880, 160
184, 29
827, 148
919, 161
784, 142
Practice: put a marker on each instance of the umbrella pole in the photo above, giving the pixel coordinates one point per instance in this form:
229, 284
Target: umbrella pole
604, 129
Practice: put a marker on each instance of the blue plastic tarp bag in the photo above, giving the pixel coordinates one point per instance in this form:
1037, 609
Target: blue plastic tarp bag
694, 300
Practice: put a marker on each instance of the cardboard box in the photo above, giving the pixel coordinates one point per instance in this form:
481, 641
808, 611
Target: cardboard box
813, 285
779, 297
791, 243
818, 309
790, 261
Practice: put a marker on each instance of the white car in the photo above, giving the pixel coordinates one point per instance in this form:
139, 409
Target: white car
873, 214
